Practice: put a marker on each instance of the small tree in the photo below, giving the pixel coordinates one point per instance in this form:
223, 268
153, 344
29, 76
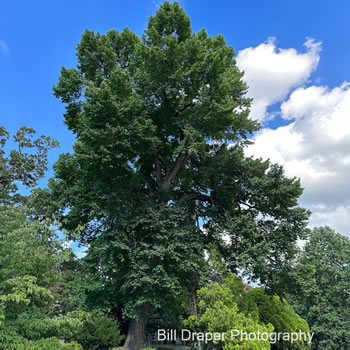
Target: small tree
219, 311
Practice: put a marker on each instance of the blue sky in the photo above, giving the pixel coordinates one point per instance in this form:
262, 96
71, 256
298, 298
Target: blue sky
296, 55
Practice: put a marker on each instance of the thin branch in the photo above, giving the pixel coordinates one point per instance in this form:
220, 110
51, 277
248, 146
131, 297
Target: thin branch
248, 205
182, 109
158, 176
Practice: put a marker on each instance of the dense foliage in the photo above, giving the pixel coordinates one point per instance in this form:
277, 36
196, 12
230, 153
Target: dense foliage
229, 305
218, 311
158, 170
34, 269
276, 311
32, 305
51, 344
321, 293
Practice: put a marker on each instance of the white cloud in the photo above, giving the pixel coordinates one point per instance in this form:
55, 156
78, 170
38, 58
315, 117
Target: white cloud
271, 73
4, 48
337, 218
315, 146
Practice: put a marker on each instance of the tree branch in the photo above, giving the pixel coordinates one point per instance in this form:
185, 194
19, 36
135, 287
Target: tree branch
157, 165
247, 204
194, 195
160, 157
179, 163
182, 109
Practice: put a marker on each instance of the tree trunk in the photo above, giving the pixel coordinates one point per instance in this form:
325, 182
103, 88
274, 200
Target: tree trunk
135, 339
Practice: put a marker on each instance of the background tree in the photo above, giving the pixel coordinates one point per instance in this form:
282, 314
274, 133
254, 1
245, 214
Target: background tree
30, 256
24, 165
321, 292
158, 170
37, 301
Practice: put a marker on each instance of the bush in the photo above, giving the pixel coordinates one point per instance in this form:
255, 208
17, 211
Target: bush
10, 340
274, 310
98, 332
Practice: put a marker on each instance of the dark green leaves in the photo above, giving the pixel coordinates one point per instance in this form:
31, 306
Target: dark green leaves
158, 170
321, 287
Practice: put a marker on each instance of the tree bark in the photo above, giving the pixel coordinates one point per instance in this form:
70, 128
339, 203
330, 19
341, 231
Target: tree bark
135, 339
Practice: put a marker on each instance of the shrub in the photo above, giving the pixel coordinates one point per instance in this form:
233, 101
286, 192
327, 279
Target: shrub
272, 309
98, 332
10, 340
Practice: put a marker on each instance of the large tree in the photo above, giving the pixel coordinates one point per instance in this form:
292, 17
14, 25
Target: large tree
158, 171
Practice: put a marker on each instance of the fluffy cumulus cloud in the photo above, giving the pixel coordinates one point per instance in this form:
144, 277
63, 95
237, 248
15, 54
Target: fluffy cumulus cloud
271, 73
315, 146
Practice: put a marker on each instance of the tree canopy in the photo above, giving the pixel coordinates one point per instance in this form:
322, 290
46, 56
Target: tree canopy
218, 311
